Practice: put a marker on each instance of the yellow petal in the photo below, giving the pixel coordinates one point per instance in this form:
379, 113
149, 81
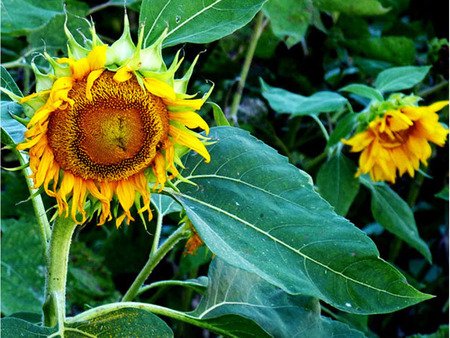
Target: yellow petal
188, 140
159, 88
189, 119
435, 107
94, 75
97, 57
123, 74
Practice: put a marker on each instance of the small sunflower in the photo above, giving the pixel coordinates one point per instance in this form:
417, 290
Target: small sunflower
397, 140
106, 121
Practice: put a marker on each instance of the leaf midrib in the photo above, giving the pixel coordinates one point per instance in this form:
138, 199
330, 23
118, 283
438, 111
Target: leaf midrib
291, 248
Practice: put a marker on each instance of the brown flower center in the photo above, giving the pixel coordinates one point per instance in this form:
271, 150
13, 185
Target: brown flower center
111, 137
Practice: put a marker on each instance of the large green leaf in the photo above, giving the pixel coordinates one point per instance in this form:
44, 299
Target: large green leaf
360, 7
398, 50
235, 291
289, 19
15, 327
364, 91
23, 267
12, 131
337, 183
343, 129
256, 211
121, 323
195, 21
20, 17
284, 101
396, 216
165, 204
400, 78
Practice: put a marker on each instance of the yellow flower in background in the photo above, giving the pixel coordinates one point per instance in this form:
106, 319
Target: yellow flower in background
107, 121
398, 140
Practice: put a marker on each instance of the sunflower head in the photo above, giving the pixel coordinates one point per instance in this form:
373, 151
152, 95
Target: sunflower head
394, 137
108, 120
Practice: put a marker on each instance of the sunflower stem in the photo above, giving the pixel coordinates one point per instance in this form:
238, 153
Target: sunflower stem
38, 204
182, 232
322, 127
259, 26
157, 236
57, 260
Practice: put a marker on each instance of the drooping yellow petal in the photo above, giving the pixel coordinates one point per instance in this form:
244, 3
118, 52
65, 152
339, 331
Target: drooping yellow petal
78, 200
94, 75
159, 88
188, 140
66, 188
123, 74
159, 169
189, 119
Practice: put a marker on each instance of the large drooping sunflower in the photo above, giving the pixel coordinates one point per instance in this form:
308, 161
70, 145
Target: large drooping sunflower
396, 141
107, 121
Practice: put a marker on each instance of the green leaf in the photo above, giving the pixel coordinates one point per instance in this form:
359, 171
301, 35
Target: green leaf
219, 116
165, 204
364, 91
12, 130
289, 19
442, 332
360, 7
343, 129
349, 7
8, 83
283, 101
127, 322
51, 38
20, 17
395, 216
337, 183
400, 78
195, 21
398, 50
254, 210
443, 194
14, 327
235, 291
198, 284
23, 267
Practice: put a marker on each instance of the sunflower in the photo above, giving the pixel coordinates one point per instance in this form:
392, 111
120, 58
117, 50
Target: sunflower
107, 121
398, 140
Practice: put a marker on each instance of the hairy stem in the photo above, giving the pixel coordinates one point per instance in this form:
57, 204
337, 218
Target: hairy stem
156, 309
246, 67
182, 232
38, 204
57, 261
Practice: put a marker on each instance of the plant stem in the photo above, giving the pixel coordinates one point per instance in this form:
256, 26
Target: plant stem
433, 89
182, 232
57, 260
38, 204
157, 234
156, 309
257, 30
322, 127
99, 7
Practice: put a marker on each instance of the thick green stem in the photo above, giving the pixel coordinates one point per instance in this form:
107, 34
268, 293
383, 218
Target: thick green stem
246, 67
321, 126
38, 204
57, 261
179, 234
156, 309
157, 234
